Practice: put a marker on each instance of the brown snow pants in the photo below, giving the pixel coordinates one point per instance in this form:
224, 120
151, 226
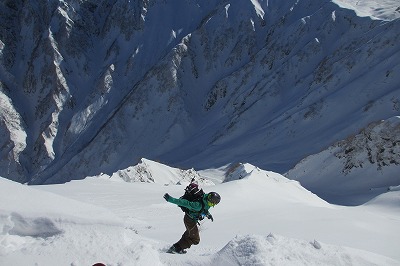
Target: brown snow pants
191, 235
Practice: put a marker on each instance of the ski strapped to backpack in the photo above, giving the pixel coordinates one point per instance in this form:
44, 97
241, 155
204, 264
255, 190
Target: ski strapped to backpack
193, 193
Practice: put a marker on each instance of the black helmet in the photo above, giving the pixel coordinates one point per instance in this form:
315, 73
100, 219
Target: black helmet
214, 198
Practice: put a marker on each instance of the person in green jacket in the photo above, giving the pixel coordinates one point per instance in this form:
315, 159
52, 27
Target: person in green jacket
197, 210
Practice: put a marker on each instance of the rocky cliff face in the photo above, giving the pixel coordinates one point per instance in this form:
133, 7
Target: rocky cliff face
364, 162
93, 86
377, 145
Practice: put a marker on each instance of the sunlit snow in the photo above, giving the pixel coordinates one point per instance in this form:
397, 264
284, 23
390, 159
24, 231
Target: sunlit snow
263, 219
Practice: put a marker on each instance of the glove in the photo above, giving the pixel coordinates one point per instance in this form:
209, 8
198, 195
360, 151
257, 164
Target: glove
166, 196
201, 217
209, 216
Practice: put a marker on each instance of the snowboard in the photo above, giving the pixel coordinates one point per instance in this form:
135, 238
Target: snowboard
171, 250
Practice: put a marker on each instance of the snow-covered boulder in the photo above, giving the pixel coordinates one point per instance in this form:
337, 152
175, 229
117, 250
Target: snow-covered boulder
279, 250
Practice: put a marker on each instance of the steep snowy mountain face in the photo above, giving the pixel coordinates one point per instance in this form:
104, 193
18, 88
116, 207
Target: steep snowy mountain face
89, 87
367, 161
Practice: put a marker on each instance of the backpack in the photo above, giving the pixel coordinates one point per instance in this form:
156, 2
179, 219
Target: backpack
193, 193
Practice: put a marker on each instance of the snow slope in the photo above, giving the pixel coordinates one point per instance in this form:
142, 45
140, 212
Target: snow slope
354, 170
263, 219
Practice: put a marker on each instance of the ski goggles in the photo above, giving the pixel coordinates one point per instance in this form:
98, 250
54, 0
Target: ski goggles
212, 201
211, 204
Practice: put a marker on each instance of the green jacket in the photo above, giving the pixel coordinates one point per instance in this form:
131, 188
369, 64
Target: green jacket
194, 207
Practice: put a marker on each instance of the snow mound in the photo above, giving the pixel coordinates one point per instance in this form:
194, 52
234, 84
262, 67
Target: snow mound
376, 9
270, 186
389, 200
18, 231
32, 203
30, 217
245, 170
16, 224
278, 250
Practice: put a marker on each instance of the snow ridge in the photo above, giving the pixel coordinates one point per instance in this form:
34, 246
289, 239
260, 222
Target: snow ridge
149, 171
